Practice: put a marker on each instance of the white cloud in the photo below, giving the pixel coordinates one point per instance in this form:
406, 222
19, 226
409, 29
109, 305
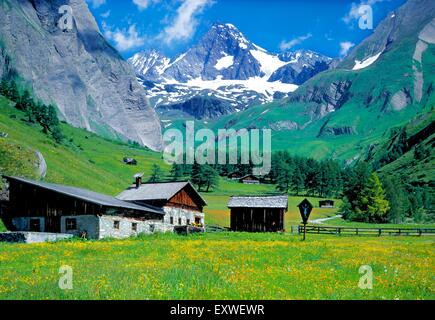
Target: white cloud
105, 14
345, 47
286, 45
185, 22
97, 3
353, 13
143, 4
124, 39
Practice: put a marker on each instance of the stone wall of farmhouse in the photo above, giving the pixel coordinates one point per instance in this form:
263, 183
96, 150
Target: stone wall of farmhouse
186, 216
118, 227
98, 227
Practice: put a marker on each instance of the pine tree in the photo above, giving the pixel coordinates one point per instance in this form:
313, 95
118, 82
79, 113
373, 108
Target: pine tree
284, 177
210, 177
297, 180
373, 199
397, 198
176, 172
197, 175
53, 120
4, 87
57, 135
13, 93
156, 173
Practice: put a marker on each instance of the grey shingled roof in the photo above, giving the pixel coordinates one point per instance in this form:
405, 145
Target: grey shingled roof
259, 202
89, 196
155, 191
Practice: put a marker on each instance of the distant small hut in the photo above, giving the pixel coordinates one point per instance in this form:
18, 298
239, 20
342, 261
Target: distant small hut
258, 214
130, 161
235, 176
326, 204
249, 179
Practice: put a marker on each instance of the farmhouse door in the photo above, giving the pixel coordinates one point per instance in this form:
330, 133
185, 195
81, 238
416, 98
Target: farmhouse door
52, 221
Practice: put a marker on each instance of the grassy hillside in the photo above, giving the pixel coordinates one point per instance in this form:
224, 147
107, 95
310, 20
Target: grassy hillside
221, 266
84, 159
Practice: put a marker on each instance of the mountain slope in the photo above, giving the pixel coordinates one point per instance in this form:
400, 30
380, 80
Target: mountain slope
226, 68
342, 113
93, 87
83, 159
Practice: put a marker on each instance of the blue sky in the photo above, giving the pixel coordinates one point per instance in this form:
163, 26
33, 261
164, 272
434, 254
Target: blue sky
171, 26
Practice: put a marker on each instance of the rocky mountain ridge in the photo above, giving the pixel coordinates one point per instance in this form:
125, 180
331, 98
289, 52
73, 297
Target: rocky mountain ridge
91, 84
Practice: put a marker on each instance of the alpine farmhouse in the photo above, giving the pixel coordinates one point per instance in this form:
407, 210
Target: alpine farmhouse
40, 207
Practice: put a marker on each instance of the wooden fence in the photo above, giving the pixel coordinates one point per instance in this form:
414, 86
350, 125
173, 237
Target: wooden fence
216, 228
348, 231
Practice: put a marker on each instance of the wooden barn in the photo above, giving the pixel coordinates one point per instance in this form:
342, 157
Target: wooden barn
249, 179
234, 176
326, 204
182, 204
258, 214
36, 206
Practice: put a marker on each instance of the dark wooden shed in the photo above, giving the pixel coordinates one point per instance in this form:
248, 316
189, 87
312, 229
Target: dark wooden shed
326, 204
258, 214
249, 179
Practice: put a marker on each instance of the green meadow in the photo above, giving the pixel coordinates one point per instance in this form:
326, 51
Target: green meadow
207, 266
221, 266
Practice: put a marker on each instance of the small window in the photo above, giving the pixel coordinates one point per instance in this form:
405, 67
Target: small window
116, 224
188, 222
171, 220
35, 225
134, 226
179, 221
70, 224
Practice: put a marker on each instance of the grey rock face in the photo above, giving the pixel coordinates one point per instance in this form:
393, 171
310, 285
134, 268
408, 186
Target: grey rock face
201, 61
336, 131
200, 107
41, 165
286, 125
401, 99
326, 99
302, 66
93, 87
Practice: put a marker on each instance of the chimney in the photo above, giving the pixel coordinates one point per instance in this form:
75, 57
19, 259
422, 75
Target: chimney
138, 179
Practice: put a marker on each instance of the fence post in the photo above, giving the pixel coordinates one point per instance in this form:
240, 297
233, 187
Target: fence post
380, 231
356, 231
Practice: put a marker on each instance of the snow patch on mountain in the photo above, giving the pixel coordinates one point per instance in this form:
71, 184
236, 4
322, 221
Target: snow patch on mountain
257, 84
269, 63
224, 62
367, 62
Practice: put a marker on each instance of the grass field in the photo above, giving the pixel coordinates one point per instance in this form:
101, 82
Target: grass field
221, 266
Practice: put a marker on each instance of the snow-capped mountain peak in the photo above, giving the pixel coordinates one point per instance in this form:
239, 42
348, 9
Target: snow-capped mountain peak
149, 64
226, 68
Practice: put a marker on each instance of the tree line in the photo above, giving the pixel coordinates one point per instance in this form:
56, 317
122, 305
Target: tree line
35, 111
367, 196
